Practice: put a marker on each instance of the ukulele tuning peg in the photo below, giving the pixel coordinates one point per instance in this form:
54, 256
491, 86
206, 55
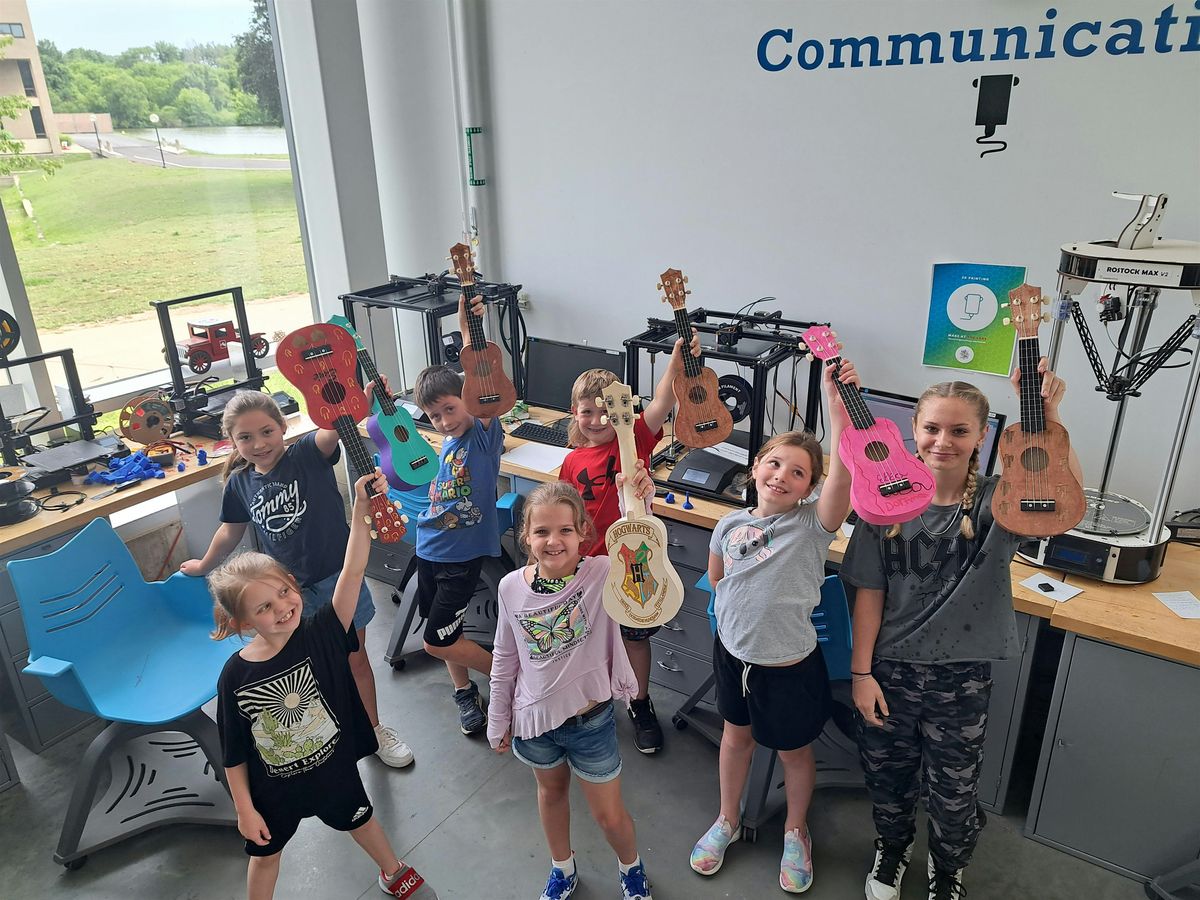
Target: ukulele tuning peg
599, 401
660, 287
635, 400
686, 292
1045, 301
1007, 320
685, 281
604, 420
404, 518
1045, 317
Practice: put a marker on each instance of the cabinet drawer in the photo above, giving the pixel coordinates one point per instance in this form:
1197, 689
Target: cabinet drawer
29, 687
687, 545
677, 669
687, 632
387, 563
53, 721
695, 600
12, 631
12, 626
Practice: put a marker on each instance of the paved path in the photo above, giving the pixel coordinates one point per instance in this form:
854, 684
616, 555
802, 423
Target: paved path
146, 152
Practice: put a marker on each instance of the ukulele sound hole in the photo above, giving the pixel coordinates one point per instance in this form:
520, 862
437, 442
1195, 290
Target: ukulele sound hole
401, 434
697, 394
1035, 459
333, 393
876, 451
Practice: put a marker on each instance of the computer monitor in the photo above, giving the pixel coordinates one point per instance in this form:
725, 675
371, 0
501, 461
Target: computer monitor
551, 368
899, 409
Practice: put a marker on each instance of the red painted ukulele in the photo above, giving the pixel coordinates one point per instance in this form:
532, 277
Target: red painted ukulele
888, 484
320, 360
701, 419
487, 390
1038, 494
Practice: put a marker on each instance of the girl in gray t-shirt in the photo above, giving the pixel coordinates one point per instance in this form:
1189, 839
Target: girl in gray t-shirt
766, 565
933, 608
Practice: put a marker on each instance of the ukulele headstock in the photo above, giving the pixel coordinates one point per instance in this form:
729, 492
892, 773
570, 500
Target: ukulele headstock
387, 524
822, 342
1025, 310
618, 402
673, 285
463, 263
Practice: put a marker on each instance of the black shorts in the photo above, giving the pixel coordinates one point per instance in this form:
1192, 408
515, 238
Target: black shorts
444, 592
786, 707
639, 634
345, 809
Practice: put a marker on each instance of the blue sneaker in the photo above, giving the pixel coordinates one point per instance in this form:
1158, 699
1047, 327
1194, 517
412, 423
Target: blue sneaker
560, 886
634, 885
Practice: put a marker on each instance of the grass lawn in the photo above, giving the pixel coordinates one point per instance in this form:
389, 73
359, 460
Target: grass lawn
119, 234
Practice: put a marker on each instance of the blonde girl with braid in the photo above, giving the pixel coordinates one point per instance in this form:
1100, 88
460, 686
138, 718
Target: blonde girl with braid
933, 609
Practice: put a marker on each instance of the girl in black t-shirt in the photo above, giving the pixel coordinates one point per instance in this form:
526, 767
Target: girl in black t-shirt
291, 722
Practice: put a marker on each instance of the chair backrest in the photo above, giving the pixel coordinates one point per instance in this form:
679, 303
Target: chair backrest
831, 619
83, 595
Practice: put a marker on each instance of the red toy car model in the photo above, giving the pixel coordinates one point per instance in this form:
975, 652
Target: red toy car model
208, 340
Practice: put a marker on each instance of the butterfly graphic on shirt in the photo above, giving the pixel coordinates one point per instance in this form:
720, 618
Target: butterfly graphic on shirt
554, 630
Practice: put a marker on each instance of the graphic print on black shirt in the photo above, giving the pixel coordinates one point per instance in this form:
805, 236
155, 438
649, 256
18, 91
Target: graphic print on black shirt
278, 509
293, 727
587, 483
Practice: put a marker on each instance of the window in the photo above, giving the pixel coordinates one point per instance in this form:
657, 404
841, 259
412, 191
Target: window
16, 29
27, 77
39, 127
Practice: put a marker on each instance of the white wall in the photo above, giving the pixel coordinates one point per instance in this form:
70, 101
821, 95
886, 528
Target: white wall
629, 137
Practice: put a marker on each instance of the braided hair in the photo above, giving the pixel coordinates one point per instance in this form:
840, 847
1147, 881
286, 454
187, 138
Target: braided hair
975, 398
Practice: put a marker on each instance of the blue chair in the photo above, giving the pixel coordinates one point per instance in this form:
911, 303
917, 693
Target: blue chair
139, 655
836, 750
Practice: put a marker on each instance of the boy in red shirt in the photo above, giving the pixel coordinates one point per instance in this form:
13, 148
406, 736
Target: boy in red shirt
592, 469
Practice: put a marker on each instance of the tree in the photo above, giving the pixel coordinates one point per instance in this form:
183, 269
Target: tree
256, 63
58, 77
12, 151
166, 52
195, 108
125, 99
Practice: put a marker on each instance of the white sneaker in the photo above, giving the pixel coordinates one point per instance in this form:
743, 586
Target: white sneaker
944, 885
392, 750
883, 882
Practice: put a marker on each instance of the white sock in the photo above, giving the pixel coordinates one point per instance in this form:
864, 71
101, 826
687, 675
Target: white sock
637, 861
566, 866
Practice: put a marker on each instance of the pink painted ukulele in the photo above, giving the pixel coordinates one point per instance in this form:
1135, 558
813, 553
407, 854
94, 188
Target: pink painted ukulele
889, 484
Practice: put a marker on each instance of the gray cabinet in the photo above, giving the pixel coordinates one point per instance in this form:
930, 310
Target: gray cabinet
8, 769
46, 720
681, 652
1117, 782
1010, 684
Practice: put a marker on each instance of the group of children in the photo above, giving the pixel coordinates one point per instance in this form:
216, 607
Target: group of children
296, 704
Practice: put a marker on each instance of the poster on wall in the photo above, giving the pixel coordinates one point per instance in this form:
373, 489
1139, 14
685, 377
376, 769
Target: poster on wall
966, 327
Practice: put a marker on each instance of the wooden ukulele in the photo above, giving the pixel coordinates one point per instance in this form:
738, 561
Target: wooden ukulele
1038, 494
320, 361
405, 457
888, 483
642, 588
701, 418
487, 390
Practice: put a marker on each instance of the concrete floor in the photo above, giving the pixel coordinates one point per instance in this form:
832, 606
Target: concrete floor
467, 820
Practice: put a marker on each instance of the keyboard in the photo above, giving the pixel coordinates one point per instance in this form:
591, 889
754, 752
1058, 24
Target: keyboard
543, 434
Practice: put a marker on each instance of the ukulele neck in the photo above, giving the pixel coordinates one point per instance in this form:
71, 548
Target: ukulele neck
852, 399
386, 404
474, 323
360, 461
1033, 408
626, 446
692, 366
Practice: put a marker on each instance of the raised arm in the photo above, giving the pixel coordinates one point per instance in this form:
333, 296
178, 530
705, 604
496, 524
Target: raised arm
657, 410
834, 502
345, 592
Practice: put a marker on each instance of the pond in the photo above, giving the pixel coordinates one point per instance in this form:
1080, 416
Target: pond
248, 139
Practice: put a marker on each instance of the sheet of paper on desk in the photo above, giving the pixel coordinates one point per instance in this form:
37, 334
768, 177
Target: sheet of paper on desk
1183, 603
1050, 587
731, 452
539, 457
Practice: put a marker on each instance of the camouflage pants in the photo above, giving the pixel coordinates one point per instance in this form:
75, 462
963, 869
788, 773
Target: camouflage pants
933, 733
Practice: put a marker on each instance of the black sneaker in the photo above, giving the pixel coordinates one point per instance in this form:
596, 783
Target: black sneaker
647, 733
471, 717
944, 885
891, 859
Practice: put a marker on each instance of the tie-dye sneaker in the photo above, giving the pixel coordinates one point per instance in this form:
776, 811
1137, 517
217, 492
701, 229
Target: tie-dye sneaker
796, 868
709, 852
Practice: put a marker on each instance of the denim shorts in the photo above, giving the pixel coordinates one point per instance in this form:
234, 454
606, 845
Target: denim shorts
320, 593
589, 748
